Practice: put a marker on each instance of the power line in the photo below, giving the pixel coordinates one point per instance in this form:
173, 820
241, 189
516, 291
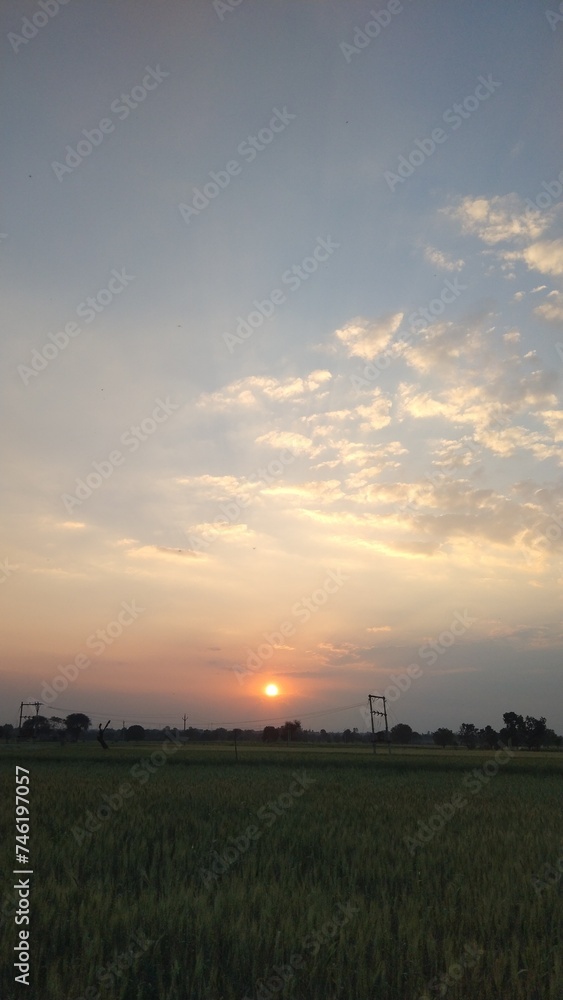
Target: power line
272, 718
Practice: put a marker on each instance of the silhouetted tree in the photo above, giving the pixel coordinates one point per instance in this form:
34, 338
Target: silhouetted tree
291, 730
270, 734
7, 731
135, 733
58, 728
536, 730
77, 723
101, 734
488, 738
468, 735
444, 737
35, 728
514, 731
401, 733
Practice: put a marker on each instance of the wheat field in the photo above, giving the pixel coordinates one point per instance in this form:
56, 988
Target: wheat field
315, 873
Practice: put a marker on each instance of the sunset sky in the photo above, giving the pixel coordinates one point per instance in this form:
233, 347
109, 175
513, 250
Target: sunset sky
332, 303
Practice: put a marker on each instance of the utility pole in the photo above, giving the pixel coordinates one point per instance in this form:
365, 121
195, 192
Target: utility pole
185, 718
26, 704
373, 711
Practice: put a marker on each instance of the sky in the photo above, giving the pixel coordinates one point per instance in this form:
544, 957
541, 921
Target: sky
281, 361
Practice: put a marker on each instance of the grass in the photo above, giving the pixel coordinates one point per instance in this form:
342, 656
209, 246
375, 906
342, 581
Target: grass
327, 875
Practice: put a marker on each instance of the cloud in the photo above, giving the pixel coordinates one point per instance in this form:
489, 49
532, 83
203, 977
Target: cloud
529, 636
298, 444
170, 551
441, 348
545, 256
155, 552
486, 402
216, 487
553, 419
365, 338
250, 391
552, 310
317, 491
441, 260
453, 509
498, 219
455, 454
376, 415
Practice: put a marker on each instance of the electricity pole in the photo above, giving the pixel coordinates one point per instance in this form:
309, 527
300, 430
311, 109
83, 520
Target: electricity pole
185, 718
373, 711
27, 704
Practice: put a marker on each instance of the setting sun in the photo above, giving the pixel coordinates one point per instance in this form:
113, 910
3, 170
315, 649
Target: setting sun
272, 690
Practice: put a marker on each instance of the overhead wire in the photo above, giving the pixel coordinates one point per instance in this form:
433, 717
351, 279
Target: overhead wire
209, 722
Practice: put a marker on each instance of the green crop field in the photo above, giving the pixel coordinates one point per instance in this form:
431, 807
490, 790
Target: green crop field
293, 873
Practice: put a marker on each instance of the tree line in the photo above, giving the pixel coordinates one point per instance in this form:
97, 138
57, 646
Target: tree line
517, 731
73, 728
528, 732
